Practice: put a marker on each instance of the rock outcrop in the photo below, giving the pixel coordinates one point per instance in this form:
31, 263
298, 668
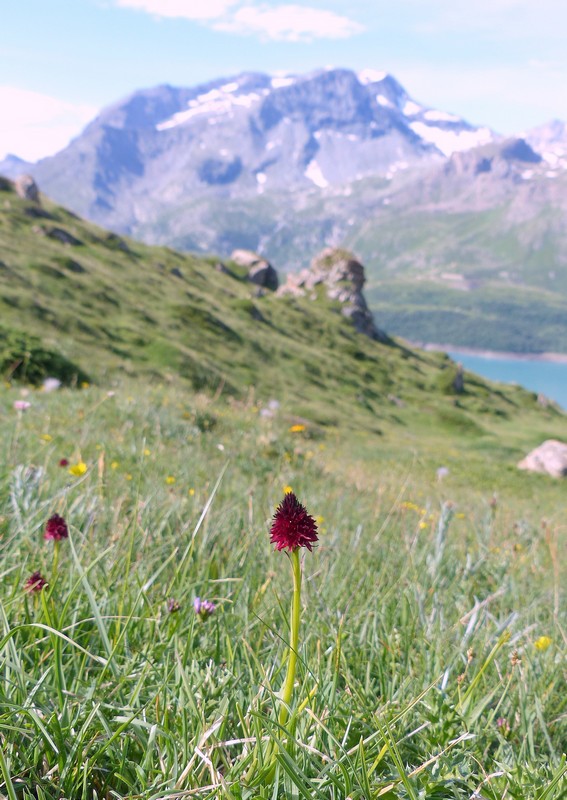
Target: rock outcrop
26, 188
343, 277
260, 271
550, 458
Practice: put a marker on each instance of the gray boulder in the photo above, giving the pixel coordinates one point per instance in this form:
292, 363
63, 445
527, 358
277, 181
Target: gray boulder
549, 458
26, 188
260, 271
343, 277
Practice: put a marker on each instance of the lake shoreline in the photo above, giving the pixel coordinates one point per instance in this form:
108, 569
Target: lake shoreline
554, 358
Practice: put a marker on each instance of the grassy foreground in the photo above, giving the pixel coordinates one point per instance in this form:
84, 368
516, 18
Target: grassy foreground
432, 647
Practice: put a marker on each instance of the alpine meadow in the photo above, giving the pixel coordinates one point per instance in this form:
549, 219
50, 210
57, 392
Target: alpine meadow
248, 551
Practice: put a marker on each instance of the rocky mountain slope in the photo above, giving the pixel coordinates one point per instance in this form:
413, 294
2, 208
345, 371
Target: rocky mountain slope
461, 231
473, 253
141, 164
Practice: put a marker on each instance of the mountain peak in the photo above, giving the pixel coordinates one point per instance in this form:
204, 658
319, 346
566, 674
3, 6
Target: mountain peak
239, 137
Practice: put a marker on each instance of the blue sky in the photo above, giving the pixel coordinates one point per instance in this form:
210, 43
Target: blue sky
501, 63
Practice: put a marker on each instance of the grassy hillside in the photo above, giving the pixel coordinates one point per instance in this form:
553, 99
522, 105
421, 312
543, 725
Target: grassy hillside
475, 278
432, 634
454, 246
432, 646
110, 304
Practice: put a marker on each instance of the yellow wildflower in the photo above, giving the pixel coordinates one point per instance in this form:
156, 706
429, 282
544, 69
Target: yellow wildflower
543, 643
191, 492
411, 506
297, 428
78, 469
170, 480
45, 437
114, 464
423, 525
147, 451
85, 385
287, 490
128, 477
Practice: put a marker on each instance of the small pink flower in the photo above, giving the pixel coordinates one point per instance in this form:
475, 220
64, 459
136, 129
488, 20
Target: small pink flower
64, 462
56, 529
35, 583
203, 608
21, 405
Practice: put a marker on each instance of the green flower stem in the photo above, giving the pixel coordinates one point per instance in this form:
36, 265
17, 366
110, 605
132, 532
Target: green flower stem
55, 564
287, 690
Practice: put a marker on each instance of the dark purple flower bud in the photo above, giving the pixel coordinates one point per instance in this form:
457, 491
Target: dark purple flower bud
203, 608
56, 529
64, 462
292, 526
35, 583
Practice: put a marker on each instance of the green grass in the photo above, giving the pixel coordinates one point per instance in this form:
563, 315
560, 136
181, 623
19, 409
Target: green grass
512, 268
423, 602
422, 607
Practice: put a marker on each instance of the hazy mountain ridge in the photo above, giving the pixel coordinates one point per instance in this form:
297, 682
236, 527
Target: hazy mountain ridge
290, 164
242, 137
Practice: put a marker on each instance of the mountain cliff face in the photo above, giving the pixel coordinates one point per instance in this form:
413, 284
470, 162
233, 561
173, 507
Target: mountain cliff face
143, 161
462, 232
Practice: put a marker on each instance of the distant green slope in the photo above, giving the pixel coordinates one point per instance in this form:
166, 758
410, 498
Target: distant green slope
475, 279
110, 304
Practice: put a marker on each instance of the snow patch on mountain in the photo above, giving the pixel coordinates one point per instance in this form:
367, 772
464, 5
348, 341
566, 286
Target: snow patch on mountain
280, 81
366, 76
315, 174
550, 141
440, 116
411, 109
214, 102
450, 141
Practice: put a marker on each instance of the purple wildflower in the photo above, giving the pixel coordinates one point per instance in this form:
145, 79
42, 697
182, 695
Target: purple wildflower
56, 529
203, 608
292, 526
35, 583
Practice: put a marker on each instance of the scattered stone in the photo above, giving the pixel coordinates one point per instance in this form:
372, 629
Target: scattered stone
116, 242
59, 234
26, 188
549, 458
260, 271
177, 272
37, 212
459, 380
343, 277
63, 236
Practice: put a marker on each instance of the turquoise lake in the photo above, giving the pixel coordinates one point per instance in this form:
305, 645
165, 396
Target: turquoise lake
547, 377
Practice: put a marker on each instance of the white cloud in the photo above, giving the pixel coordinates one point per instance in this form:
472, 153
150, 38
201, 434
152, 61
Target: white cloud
184, 9
35, 125
291, 23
